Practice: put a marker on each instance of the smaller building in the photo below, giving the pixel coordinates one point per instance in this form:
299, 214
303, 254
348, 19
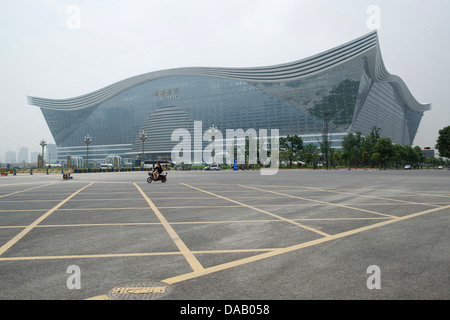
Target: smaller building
427, 152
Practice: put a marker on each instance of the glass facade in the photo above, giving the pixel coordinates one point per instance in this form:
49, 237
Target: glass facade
345, 94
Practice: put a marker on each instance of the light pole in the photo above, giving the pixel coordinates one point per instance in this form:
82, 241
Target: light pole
213, 132
87, 140
43, 143
143, 137
325, 138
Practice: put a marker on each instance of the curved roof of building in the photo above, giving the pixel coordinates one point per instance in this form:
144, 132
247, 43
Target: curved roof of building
366, 45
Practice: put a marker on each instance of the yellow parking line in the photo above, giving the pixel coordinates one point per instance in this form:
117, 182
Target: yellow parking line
128, 255
424, 193
20, 191
19, 236
33, 200
279, 251
24, 210
91, 256
296, 247
260, 210
373, 197
76, 225
319, 201
103, 209
191, 259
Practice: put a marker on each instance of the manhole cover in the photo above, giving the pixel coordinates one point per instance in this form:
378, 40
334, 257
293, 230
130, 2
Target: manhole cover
140, 291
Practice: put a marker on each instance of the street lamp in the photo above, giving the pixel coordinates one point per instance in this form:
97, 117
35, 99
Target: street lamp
43, 144
213, 131
143, 137
325, 138
88, 141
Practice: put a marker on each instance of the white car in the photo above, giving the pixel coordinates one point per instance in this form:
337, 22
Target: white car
215, 167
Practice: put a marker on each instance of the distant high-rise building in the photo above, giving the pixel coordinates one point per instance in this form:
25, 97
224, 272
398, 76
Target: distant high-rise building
10, 156
34, 157
51, 153
23, 154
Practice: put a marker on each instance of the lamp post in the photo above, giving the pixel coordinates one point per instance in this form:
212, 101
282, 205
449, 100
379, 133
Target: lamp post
143, 137
88, 141
325, 138
213, 131
43, 143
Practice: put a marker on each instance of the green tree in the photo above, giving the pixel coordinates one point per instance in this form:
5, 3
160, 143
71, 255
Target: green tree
410, 155
365, 158
337, 158
418, 151
290, 148
398, 154
443, 142
368, 144
376, 158
352, 148
310, 153
385, 149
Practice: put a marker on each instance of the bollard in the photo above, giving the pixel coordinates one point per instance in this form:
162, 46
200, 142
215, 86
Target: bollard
47, 170
31, 172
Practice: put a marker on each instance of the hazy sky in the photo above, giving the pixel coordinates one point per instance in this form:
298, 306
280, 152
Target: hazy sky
62, 49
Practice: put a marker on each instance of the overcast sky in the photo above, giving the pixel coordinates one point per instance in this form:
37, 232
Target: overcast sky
65, 48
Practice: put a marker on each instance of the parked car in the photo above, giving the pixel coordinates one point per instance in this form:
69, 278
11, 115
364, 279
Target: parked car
407, 167
215, 167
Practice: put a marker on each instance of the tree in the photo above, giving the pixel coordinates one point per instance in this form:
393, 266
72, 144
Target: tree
376, 158
347, 147
385, 149
290, 148
410, 155
337, 158
374, 135
352, 147
310, 153
398, 154
418, 151
368, 144
365, 157
443, 142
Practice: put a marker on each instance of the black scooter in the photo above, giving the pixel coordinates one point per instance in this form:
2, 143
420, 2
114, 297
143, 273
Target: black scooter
161, 177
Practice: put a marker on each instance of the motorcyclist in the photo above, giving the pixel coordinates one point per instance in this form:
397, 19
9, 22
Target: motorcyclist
157, 170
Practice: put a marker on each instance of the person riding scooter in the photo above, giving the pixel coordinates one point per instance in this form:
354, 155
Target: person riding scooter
157, 170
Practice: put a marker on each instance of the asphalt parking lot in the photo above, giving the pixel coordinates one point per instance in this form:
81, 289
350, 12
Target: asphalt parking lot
299, 234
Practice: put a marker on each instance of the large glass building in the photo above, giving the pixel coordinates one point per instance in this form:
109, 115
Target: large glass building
346, 89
